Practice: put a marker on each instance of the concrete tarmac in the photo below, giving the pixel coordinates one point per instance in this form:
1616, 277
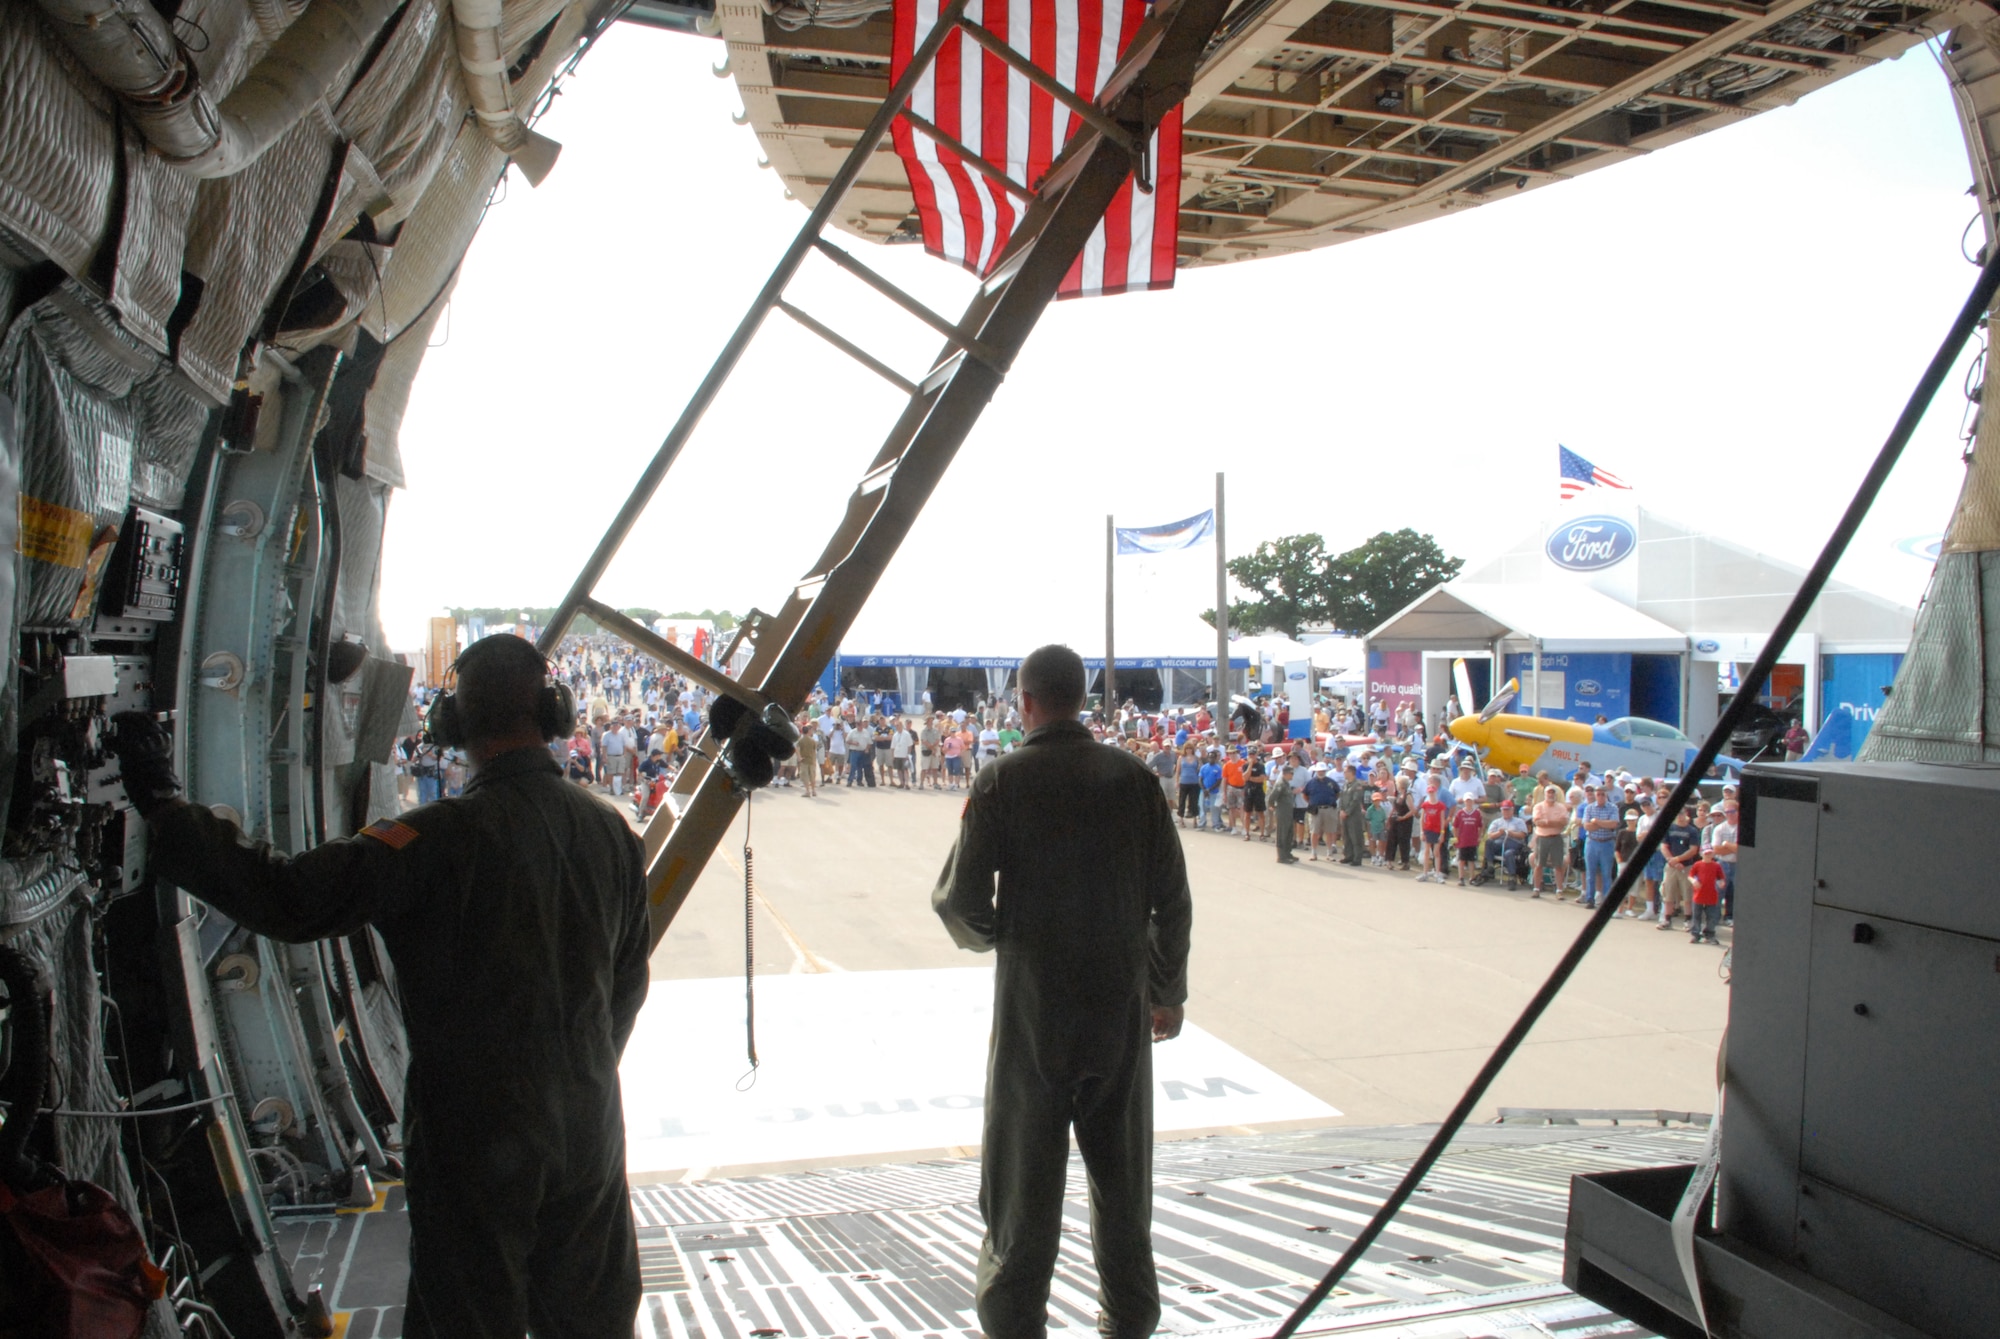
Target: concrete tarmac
1380, 995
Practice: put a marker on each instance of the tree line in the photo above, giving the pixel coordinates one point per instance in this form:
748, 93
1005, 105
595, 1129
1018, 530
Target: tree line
1297, 584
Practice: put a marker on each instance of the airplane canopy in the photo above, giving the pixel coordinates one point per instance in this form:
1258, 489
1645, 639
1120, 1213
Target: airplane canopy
1472, 615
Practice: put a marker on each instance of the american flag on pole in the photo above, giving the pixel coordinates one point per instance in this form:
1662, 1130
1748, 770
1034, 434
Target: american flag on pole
972, 95
1578, 474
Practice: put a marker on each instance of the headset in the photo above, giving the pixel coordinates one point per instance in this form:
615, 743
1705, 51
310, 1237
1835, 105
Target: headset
555, 705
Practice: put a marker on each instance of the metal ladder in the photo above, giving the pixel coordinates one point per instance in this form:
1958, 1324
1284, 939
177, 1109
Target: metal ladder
791, 647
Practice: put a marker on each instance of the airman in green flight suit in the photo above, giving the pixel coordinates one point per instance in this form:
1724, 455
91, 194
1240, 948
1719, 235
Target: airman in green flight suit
516, 917
1068, 864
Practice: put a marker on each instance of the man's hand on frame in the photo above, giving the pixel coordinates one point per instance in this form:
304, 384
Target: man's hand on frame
1167, 1020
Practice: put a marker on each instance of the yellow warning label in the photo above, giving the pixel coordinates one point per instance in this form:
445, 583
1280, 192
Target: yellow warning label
53, 534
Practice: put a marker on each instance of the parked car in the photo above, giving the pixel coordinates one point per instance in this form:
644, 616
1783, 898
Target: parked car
1762, 735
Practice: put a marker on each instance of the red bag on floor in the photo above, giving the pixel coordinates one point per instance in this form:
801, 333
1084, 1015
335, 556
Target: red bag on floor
86, 1271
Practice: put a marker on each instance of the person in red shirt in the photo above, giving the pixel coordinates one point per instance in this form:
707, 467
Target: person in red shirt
1432, 813
1468, 825
1706, 875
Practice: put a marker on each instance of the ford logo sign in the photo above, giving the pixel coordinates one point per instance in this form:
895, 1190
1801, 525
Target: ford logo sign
1296, 675
1588, 688
1591, 543
1708, 646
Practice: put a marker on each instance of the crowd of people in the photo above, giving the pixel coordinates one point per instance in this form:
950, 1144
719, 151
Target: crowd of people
1410, 800
636, 722
1416, 803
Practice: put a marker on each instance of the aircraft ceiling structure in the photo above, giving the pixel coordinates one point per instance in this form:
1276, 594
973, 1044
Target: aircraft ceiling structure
1313, 123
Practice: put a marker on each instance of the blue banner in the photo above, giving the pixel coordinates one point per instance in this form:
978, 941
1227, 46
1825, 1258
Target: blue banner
1854, 682
1165, 538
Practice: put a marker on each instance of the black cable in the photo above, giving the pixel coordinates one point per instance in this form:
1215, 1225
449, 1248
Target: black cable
1969, 317
749, 948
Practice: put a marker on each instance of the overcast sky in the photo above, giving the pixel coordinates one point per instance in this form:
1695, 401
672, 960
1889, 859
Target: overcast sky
1731, 324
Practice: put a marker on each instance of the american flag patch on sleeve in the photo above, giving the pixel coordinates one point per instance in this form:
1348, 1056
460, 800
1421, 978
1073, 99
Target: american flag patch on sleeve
390, 833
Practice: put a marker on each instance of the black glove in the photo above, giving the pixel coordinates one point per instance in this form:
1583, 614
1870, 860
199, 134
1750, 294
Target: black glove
145, 752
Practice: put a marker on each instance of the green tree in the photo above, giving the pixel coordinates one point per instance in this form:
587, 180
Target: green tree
1296, 583
1369, 583
1289, 578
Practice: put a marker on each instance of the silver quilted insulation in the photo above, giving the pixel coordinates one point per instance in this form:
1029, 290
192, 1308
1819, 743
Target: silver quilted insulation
246, 233
159, 202
89, 396
390, 395
58, 148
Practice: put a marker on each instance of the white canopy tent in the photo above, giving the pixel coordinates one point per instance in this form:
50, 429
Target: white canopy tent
1665, 589
1475, 616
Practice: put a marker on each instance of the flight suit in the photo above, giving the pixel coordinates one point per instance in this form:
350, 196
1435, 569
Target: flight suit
516, 916
1353, 822
1091, 924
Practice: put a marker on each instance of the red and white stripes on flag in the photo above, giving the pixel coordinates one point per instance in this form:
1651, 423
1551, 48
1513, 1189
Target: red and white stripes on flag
974, 97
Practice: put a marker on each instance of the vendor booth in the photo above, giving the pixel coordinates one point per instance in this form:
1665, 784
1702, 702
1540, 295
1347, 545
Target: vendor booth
1608, 610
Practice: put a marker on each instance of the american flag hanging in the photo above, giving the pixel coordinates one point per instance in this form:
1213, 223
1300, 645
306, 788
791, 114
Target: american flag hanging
971, 95
1578, 474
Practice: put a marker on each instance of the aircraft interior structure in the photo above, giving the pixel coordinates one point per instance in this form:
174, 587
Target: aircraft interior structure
228, 230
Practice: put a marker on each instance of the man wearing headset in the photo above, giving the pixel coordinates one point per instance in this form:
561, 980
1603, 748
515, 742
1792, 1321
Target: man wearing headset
517, 919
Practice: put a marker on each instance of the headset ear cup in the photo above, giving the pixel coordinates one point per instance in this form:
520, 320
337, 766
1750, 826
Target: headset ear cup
444, 722
558, 711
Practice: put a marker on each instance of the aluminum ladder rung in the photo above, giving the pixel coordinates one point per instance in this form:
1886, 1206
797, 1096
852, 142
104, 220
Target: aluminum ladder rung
851, 349
973, 159
640, 638
1091, 113
867, 275
946, 368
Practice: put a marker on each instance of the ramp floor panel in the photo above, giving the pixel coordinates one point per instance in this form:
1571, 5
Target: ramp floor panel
1243, 1224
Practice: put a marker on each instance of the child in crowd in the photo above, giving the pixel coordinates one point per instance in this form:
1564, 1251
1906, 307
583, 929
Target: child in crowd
1706, 876
1468, 824
1432, 813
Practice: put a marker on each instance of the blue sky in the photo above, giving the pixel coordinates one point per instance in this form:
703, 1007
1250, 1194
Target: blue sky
1731, 324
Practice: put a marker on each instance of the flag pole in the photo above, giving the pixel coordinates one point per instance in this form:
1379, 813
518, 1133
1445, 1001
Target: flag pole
1221, 622
1110, 661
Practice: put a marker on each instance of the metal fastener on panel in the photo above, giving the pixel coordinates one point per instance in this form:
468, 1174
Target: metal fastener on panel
223, 670
241, 519
1861, 1009
1864, 933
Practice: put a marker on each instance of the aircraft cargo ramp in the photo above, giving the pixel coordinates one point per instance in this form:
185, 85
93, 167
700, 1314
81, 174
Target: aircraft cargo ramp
1243, 1224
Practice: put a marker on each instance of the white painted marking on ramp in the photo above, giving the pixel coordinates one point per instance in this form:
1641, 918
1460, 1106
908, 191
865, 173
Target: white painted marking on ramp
857, 1064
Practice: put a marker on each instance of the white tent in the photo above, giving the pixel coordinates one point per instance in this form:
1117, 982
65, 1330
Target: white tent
1603, 576
1704, 586
1461, 615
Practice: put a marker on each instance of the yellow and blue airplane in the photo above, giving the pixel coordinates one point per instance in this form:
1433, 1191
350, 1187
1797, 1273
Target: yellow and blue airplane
1631, 744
